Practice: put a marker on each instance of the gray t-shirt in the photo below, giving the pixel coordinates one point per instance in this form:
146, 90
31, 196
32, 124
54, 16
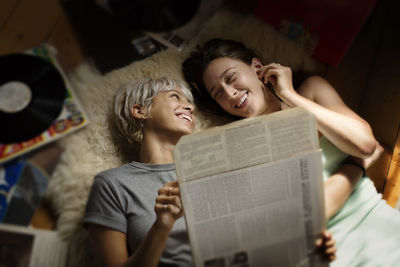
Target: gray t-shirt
123, 199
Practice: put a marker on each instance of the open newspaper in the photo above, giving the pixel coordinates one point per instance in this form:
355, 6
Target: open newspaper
252, 191
23, 246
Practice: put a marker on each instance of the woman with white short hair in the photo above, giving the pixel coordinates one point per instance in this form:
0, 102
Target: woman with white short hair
126, 226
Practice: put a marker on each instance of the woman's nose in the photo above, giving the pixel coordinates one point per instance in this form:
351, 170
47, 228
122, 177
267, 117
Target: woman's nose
230, 91
189, 106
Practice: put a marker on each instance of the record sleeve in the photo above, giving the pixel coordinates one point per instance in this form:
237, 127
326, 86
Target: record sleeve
71, 117
22, 186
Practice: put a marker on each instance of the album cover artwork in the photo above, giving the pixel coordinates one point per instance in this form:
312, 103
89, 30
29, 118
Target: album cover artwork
37, 103
10, 173
22, 185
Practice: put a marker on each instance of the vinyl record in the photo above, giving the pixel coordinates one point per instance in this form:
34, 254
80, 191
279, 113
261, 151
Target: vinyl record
154, 15
32, 94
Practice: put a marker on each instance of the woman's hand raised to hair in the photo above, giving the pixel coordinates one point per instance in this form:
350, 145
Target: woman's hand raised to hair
168, 205
280, 77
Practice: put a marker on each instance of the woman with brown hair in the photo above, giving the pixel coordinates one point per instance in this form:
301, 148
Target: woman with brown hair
228, 78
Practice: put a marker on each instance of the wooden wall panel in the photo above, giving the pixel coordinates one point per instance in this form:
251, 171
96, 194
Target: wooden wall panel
392, 188
378, 172
381, 104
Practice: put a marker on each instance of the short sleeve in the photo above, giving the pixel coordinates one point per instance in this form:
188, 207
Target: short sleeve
104, 206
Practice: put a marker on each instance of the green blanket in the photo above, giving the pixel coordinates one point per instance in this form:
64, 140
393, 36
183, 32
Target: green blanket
366, 229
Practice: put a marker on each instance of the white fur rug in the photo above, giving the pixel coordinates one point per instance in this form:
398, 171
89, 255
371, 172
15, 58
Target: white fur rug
97, 147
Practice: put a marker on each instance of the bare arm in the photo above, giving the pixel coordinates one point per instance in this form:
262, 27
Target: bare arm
343, 127
111, 245
341, 184
338, 188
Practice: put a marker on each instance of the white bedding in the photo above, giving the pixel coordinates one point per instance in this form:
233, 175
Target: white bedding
366, 228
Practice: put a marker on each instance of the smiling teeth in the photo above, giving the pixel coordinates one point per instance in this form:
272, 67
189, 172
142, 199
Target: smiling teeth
185, 117
242, 100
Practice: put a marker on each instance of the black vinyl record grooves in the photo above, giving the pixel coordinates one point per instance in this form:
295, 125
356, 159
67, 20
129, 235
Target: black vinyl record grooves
47, 95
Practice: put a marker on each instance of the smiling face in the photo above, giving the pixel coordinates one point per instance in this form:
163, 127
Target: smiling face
235, 86
171, 114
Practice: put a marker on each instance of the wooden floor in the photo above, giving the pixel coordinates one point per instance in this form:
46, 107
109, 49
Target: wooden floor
368, 78
26, 23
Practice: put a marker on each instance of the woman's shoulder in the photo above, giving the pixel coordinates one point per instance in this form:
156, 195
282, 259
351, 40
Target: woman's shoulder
115, 173
309, 85
318, 89
133, 171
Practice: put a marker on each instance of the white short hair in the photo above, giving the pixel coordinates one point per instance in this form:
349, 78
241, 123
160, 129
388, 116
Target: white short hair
141, 92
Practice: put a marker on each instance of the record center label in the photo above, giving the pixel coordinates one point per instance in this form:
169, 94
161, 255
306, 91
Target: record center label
14, 96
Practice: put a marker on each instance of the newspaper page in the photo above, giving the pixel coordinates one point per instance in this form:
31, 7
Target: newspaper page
23, 246
252, 191
245, 143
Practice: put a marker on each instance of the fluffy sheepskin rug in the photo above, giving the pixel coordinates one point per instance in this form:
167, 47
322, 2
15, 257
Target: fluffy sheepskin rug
98, 146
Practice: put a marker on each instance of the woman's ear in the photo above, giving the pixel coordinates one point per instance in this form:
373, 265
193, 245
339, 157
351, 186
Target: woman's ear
137, 111
256, 63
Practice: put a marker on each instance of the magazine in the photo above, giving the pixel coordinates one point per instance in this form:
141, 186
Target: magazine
252, 191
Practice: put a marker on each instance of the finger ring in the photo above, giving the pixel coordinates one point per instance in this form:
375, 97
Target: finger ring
169, 190
278, 65
165, 207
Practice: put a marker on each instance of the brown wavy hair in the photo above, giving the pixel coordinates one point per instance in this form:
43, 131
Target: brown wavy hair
194, 67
